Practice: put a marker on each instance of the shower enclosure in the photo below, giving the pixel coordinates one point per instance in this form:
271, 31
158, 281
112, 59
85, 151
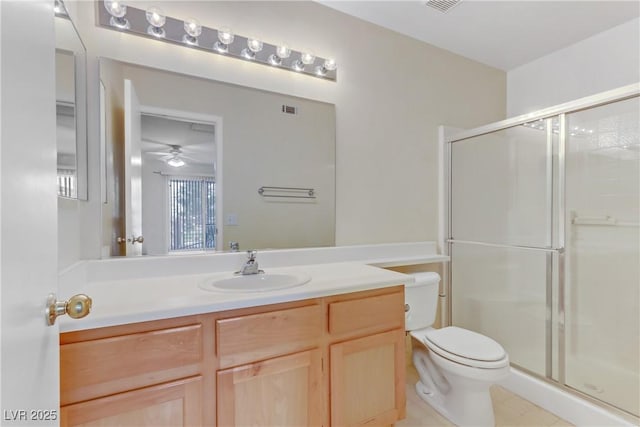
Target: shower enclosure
544, 242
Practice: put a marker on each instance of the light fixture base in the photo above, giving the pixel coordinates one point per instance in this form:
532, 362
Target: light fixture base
119, 23
135, 23
156, 31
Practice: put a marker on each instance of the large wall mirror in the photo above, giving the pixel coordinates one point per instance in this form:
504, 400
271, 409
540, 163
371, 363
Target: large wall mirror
195, 165
71, 107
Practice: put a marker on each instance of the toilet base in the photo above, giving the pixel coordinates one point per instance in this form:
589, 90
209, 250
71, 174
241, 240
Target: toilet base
459, 393
462, 409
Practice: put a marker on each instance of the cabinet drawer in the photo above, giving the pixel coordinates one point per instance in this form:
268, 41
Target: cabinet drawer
111, 365
369, 314
254, 337
178, 403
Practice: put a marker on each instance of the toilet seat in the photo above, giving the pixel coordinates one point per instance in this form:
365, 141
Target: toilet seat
463, 347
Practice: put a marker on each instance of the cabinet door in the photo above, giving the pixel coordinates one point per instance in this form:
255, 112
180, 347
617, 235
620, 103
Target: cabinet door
178, 403
367, 380
283, 391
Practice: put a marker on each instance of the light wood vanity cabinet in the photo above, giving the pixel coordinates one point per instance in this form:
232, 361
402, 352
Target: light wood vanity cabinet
334, 361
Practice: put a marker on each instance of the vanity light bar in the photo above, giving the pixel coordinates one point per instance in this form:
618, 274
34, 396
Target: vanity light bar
173, 31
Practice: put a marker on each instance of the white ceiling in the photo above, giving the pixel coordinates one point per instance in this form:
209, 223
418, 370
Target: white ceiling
503, 34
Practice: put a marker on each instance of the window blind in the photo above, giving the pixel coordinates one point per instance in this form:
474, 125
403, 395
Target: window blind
192, 213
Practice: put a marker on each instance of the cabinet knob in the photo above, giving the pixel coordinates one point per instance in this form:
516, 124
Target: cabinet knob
77, 307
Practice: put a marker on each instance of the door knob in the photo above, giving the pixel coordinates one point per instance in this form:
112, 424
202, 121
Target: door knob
77, 307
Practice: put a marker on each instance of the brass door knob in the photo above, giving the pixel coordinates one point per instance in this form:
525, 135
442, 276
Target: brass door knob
77, 307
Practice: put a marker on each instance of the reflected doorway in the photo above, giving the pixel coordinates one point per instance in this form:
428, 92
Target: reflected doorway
181, 200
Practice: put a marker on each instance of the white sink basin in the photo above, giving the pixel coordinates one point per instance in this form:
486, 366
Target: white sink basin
262, 282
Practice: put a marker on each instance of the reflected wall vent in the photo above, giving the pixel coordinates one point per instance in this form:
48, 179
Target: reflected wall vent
442, 5
289, 109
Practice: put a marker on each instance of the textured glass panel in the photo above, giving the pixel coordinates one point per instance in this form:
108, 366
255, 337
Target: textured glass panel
603, 257
501, 187
501, 293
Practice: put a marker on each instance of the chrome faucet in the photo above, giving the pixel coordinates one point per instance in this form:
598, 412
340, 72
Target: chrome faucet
251, 266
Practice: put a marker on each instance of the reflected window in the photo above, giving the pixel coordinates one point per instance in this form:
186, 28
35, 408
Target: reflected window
67, 183
192, 213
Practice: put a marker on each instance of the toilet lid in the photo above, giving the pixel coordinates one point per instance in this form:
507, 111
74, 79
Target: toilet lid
466, 344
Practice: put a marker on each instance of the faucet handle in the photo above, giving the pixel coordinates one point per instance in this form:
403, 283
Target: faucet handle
251, 254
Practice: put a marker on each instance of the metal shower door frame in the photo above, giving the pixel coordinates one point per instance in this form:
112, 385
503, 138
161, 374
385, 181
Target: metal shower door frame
556, 257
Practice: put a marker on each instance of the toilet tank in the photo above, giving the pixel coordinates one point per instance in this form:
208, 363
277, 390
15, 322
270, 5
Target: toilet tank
421, 301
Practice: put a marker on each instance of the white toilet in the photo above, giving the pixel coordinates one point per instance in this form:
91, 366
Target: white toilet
456, 366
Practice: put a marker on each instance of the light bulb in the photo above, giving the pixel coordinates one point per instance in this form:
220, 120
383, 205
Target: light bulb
115, 8
306, 58
156, 19
225, 35
328, 65
58, 8
253, 46
175, 162
225, 38
282, 52
193, 29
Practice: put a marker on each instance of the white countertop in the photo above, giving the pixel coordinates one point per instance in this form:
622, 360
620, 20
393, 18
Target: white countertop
139, 289
120, 301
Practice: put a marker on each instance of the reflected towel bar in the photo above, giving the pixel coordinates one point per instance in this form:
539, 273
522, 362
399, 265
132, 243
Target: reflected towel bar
290, 192
603, 220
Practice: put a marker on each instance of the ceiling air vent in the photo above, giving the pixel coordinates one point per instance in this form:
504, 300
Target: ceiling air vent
442, 5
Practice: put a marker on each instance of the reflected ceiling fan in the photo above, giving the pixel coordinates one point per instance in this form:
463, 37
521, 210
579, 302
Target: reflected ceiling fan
173, 156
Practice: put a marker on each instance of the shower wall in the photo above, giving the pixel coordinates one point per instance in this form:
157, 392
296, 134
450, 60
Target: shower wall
570, 316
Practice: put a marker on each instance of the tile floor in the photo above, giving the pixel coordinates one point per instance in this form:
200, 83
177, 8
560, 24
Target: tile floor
510, 410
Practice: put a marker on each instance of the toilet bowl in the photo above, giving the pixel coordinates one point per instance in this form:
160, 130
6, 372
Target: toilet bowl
456, 366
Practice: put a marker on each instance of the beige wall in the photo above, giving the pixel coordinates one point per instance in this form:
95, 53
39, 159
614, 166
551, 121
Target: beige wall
391, 95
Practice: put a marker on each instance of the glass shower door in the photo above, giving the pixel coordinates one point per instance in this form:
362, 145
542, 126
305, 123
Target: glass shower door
544, 241
602, 281
501, 242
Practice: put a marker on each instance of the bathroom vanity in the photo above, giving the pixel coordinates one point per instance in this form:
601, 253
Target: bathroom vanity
330, 352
